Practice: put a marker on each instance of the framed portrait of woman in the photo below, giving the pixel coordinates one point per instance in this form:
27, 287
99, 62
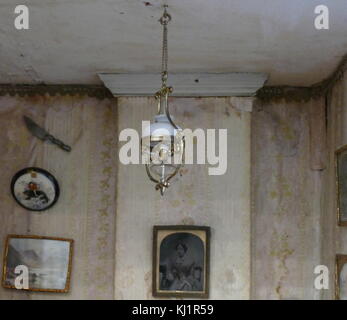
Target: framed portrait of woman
181, 261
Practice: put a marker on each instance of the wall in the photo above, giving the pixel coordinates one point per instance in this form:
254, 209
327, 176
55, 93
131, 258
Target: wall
86, 209
221, 202
110, 212
287, 174
335, 237
294, 216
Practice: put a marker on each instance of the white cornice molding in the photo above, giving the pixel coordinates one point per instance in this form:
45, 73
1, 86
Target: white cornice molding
235, 84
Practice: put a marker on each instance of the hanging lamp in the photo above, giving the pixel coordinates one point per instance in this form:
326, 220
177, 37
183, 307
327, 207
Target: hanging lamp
162, 141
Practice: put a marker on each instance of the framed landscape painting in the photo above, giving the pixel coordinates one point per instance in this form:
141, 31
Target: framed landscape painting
181, 261
45, 261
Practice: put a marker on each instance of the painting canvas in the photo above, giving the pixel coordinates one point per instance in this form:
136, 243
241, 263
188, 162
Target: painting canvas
181, 261
48, 261
341, 183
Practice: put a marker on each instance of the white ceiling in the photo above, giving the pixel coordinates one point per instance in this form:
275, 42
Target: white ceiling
70, 41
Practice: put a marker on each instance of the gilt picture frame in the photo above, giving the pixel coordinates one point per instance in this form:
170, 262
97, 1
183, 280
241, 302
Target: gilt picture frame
341, 277
341, 185
48, 260
181, 261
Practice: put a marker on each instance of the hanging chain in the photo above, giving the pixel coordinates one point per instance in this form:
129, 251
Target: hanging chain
162, 94
164, 20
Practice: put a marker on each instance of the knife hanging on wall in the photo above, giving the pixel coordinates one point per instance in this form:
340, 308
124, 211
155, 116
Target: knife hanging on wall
42, 134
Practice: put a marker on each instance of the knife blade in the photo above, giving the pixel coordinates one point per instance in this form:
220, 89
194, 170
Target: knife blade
42, 134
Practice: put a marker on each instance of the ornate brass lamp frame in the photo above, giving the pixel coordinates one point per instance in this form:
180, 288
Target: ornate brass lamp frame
176, 140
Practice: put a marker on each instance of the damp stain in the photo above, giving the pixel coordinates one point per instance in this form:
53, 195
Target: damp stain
188, 221
128, 278
191, 202
288, 132
174, 203
233, 109
273, 194
281, 250
187, 114
229, 276
183, 171
148, 281
206, 107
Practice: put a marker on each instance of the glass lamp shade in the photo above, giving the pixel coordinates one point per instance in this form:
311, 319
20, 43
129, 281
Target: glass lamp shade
160, 127
162, 148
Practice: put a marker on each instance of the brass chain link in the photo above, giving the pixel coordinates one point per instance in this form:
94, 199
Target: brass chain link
164, 20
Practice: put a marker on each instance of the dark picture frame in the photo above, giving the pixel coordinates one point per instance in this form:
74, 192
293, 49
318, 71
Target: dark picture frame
181, 261
341, 185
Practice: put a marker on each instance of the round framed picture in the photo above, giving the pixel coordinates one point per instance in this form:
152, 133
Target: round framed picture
35, 189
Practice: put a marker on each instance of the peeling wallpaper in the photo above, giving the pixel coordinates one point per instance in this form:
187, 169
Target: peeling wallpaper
221, 202
286, 197
86, 209
272, 215
333, 237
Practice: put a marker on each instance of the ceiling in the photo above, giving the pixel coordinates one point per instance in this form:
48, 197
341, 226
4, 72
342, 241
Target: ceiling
70, 41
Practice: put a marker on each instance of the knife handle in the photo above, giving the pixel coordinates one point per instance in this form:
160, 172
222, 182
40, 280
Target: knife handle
59, 143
